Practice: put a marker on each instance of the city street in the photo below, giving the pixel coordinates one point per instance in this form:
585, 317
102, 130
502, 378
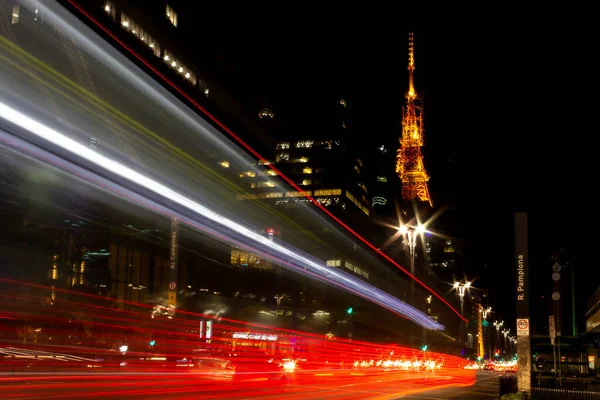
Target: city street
191, 386
485, 388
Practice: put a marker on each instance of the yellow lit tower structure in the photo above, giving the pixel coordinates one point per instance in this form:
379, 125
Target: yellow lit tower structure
409, 165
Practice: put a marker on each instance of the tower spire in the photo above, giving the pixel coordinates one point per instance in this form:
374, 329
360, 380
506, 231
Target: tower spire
409, 165
411, 65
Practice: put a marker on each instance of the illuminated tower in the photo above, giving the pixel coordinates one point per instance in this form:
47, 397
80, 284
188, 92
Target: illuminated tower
409, 165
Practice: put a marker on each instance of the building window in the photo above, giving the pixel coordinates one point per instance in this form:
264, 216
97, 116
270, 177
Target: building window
266, 113
298, 194
172, 15
357, 202
381, 179
282, 157
110, 9
328, 192
327, 201
15, 13
282, 146
343, 103
334, 263
224, 164
235, 257
304, 144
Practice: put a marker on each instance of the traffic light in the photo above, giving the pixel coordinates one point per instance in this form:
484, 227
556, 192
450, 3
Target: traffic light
349, 310
152, 343
424, 348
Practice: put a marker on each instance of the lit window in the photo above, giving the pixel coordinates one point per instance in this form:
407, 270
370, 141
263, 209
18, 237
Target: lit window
365, 274
343, 102
16, 11
298, 194
264, 184
334, 263
282, 157
327, 201
125, 21
381, 179
224, 164
307, 170
328, 192
266, 113
350, 266
271, 173
304, 144
283, 146
306, 182
206, 91
172, 15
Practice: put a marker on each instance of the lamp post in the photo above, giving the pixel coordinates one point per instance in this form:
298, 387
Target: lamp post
486, 330
505, 333
498, 325
410, 233
460, 289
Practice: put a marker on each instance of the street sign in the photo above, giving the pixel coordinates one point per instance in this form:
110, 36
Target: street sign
556, 267
172, 300
556, 296
523, 327
551, 327
555, 276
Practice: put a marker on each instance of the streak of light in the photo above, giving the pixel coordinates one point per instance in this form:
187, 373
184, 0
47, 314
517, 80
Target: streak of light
104, 55
342, 279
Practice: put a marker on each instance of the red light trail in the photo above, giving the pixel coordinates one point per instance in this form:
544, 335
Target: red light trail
82, 347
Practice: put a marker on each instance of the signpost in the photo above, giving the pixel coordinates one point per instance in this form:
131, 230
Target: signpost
522, 300
173, 255
523, 327
552, 333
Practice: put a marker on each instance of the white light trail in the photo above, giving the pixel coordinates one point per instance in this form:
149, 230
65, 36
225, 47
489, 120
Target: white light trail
366, 291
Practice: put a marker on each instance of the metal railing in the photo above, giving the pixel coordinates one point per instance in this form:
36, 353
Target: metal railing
554, 389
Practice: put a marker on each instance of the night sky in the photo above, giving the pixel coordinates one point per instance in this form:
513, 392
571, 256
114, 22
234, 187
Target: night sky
508, 111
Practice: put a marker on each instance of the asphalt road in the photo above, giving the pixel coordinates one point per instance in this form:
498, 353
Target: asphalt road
486, 388
322, 386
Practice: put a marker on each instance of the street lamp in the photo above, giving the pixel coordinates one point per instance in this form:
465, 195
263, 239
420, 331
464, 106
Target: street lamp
505, 333
410, 233
485, 312
460, 289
